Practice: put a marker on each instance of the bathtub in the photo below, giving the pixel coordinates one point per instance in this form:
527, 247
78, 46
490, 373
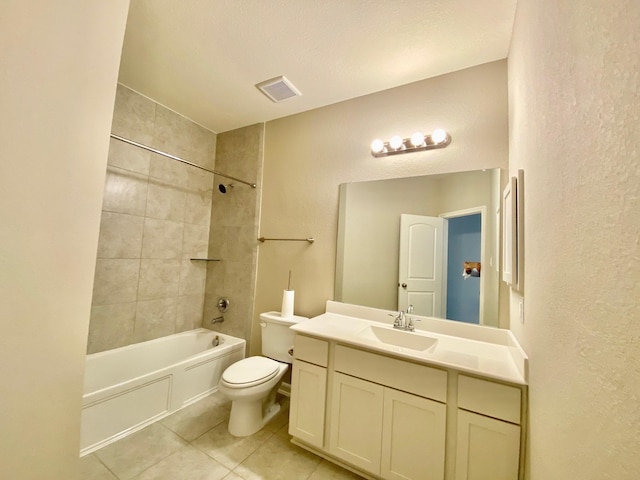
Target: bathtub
128, 388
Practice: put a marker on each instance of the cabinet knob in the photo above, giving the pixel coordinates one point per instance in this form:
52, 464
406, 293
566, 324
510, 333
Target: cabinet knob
404, 285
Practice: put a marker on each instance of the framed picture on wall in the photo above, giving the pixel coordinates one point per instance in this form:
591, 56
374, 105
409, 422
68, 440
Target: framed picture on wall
509, 234
519, 283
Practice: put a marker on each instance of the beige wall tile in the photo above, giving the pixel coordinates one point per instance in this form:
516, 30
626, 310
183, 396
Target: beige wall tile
234, 229
217, 241
199, 180
155, 318
189, 314
195, 241
158, 279
171, 172
125, 192
128, 157
162, 239
120, 235
116, 280
193, 275
111, 326
241, 244
133, 116
166, 202
183, 138
199, 197
156, 213
198, 208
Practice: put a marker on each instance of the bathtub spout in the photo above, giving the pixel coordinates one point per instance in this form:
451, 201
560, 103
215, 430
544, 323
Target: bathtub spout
219, 319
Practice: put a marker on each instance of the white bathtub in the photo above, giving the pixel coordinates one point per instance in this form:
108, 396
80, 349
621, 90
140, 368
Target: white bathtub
128, 388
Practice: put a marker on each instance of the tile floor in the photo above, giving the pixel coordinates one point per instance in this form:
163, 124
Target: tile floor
194, 444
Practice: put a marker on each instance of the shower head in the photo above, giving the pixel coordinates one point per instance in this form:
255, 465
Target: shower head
223, 189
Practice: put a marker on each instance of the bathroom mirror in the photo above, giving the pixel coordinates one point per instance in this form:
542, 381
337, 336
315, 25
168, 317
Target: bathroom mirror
455, 215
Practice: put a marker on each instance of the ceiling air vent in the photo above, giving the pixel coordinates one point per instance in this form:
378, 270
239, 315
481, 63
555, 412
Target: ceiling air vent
278, 89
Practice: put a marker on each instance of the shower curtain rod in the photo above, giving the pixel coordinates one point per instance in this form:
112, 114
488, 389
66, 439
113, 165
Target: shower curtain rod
173, 157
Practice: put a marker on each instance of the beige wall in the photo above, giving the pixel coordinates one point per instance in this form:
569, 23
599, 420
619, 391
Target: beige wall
155, 218
575, 130
59, 71
308, 155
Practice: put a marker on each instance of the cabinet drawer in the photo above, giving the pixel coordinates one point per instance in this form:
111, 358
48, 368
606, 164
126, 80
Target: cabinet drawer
406, 376
489, 398
311, 350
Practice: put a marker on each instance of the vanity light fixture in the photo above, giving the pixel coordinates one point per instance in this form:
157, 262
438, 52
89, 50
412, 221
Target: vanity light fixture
417, 142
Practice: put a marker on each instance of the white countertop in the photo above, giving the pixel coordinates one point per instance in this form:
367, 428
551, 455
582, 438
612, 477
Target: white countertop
502, 360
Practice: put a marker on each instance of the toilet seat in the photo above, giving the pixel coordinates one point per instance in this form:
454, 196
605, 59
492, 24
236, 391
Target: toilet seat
250, 371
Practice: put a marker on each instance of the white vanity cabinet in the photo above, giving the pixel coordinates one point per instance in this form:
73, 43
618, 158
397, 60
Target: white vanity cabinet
488, 431
388, 416
308, 390
356, 422
385, 431
395, 419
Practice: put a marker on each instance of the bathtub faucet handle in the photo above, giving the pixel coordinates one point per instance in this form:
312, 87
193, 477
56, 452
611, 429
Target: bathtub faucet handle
223, 304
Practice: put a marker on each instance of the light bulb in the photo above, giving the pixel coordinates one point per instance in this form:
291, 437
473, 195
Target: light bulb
417, 139
395, 142
377, 146
438, 135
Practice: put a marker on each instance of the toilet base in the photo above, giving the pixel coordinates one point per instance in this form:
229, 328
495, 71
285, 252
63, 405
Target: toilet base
247, 418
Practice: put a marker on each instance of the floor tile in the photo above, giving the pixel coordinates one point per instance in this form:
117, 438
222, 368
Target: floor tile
134, 454
278, 459
284, 431
92, 469
230, 451
187, 463
196, 419
282, 418
330, 471
232, 476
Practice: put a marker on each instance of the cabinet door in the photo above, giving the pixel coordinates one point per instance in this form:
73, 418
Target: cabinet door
356, 422
413, 437
487, 449
306, 414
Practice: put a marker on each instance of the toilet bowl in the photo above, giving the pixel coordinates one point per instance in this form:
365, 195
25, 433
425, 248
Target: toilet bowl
252, 383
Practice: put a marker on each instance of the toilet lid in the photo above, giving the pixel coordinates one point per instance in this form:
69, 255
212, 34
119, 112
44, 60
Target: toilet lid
251, 370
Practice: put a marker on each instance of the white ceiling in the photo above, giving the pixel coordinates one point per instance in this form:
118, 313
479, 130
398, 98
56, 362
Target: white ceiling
202, 58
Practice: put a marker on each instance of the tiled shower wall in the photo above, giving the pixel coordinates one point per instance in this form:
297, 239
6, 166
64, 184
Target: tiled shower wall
155, 217
234, 231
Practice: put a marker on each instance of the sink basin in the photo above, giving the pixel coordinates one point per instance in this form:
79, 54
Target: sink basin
398, 338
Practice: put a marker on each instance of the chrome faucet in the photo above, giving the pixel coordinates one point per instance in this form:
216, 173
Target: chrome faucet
403, 321
399, 322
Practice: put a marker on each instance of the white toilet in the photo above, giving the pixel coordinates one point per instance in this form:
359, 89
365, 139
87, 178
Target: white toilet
252, 383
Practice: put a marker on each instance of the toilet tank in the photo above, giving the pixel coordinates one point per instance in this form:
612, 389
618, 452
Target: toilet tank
277, 338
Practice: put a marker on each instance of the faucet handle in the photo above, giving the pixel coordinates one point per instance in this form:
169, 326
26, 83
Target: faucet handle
399, 318
410, 309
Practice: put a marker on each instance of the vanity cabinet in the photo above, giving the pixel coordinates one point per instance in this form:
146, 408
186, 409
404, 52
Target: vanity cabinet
395, 419
308, 390
413, 440
488, 431
356, 422
383, 430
